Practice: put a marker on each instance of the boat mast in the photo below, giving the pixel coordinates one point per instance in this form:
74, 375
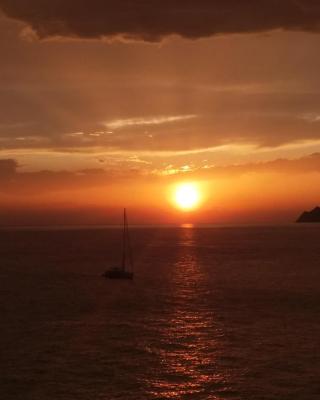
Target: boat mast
124, 240
129, 250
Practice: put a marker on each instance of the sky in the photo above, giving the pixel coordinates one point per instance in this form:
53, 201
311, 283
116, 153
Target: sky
107, 104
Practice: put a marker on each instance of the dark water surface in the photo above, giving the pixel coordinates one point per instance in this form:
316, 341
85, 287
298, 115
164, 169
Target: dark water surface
217, 313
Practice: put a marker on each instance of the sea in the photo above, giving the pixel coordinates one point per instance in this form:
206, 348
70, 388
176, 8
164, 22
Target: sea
212, 313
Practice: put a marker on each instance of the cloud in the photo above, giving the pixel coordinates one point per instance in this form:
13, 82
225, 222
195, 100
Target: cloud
307, 164
8, 167
124, 123
311, 117
47, 181
302, 165
152, 20
14, 181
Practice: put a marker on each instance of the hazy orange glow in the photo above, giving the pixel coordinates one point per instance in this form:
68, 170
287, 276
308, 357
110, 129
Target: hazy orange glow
212, 139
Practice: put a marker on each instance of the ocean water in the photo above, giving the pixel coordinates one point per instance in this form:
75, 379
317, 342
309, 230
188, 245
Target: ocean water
213, 313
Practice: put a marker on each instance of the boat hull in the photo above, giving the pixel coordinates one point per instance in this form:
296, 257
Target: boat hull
118, 274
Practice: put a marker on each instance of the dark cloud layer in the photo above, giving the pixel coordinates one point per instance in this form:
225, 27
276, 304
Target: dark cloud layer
154, 19
12, 180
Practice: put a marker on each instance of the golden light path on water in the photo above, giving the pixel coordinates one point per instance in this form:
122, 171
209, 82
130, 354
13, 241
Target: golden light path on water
190, 339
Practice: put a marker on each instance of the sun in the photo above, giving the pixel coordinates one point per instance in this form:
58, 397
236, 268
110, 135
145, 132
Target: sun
187, 196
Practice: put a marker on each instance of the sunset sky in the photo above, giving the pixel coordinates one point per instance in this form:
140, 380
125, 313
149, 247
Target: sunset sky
106, 104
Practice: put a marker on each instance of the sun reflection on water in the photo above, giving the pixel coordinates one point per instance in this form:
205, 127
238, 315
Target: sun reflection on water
190, 339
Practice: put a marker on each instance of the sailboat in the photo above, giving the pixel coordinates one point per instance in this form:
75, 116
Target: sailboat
125, 270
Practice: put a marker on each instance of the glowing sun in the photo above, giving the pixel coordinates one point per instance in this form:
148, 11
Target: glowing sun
187, 196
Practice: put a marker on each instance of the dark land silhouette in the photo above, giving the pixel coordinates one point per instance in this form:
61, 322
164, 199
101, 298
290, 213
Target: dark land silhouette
310, 216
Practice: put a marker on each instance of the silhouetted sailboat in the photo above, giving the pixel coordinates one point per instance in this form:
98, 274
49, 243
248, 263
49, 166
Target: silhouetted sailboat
125, 271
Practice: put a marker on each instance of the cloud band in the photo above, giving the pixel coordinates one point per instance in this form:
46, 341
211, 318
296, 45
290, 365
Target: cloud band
154, 19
